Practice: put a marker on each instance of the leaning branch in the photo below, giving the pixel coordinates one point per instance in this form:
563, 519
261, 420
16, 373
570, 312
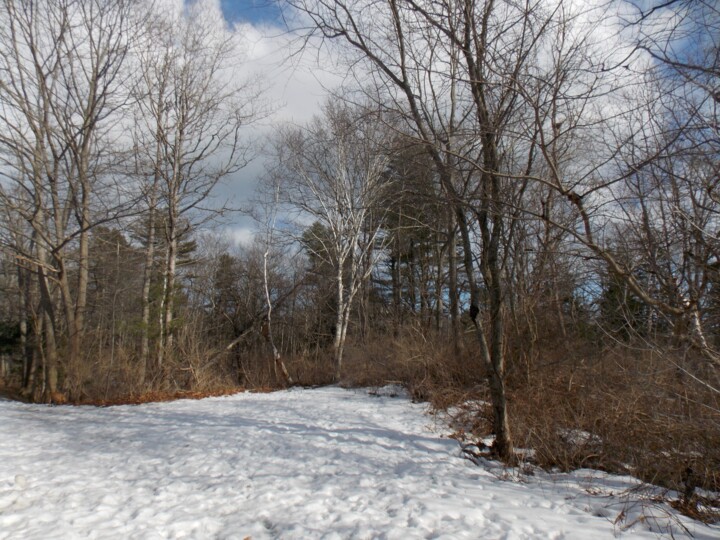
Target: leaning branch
256, 320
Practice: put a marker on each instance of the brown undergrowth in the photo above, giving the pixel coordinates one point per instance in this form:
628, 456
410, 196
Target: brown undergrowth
159, 396
649, 413
627, 409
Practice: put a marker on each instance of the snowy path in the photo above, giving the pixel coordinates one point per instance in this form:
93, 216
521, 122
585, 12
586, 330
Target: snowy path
323, 463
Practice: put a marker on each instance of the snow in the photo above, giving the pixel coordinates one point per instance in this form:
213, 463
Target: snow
305, 463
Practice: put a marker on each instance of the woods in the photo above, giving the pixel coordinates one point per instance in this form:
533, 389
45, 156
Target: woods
512, 204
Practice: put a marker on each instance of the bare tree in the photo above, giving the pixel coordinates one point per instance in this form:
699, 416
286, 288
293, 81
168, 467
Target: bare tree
455, 71
268, 244
331, 173
194, 107
63, 65
649, 175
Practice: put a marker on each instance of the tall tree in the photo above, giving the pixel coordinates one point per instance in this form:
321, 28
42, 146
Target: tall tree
331, 171
63, 65
454, 70
193, 107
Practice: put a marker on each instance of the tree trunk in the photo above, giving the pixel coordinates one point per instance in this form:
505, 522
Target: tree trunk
396, 290
24, 284
78, 328
493, 281
49, 344
339, 340
453, 285
166, 341
491, 351
147, 279
277, 358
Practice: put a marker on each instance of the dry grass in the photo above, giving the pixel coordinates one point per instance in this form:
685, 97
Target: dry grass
427, 363
621, 409
621, 412
153, 396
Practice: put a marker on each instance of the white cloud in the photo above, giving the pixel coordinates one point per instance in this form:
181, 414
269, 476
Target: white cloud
296, 81
240, 236
294, 86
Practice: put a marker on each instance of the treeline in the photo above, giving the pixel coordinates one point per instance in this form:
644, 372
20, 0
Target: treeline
118, 121
509, 202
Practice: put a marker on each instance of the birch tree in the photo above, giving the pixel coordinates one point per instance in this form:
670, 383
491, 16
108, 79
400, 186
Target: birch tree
330, 173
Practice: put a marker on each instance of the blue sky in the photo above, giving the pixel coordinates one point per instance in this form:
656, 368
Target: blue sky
253, 11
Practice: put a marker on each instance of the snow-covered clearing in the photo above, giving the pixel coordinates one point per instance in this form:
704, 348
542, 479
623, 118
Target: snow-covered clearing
321, 463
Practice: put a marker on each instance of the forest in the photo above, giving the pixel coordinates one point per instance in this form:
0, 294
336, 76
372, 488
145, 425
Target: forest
509, 207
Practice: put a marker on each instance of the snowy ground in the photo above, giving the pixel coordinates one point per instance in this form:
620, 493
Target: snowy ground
322, 463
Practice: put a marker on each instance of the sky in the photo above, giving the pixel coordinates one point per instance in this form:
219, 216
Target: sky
252, 11
295, 86
293, 90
